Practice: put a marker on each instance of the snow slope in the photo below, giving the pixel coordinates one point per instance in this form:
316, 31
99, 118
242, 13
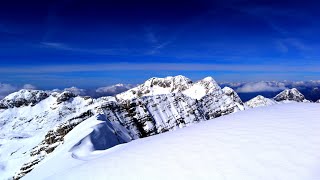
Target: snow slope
275, 142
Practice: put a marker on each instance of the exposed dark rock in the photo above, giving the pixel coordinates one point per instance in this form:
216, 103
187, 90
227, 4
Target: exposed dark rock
65, 96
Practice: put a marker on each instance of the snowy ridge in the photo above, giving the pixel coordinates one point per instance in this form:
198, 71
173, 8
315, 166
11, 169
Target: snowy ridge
277, 142
318, 101
23, 98
176, 84
259, 101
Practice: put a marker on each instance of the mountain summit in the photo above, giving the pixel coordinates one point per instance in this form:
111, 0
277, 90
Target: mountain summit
290, 95
156, 86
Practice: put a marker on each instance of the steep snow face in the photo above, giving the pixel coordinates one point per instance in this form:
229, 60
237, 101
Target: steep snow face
23, 98
156, 86
259, 101
290, 95
23, 128
202, 88
276, 142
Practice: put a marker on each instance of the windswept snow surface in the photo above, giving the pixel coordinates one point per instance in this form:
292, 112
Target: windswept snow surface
275, 142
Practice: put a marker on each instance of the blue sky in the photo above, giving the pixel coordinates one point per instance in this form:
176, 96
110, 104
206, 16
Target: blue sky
94, 43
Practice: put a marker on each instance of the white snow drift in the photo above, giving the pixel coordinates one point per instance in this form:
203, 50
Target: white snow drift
275, 142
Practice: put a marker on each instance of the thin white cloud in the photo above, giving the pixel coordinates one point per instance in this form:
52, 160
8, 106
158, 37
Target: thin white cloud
76, 91
29, 87
151, 37
114, 89
260, 86
102, 51
158, 67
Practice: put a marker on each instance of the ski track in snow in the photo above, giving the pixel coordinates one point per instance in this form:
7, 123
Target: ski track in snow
276, 142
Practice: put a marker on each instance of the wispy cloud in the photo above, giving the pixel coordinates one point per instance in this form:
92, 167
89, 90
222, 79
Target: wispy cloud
156, 49
36, 69
155, 41
261, 86
151, 37
29, 87
102, 51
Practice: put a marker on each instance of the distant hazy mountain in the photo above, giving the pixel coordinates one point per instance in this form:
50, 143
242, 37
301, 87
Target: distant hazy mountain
290, 95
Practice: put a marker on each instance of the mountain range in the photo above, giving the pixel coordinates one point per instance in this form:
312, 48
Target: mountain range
34, 123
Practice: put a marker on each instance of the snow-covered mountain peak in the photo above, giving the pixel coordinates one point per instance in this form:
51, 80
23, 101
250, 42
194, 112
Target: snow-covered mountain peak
290, 95
318, 101
259, 101
155, 86
176, 83
23, 97
209, 78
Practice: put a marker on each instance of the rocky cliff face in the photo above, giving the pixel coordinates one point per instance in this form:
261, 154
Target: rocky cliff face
290, 95
259, 101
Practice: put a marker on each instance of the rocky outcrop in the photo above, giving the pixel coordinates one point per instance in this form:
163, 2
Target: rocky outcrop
290, 95
23, 98
232, 94
65, 96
